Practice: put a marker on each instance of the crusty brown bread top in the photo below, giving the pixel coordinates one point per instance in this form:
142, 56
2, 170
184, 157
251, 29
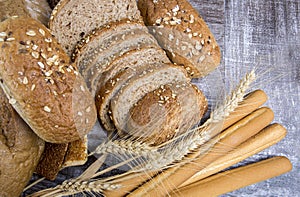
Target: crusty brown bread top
37, 9
183, 34
20, 150
71, 20
44, 88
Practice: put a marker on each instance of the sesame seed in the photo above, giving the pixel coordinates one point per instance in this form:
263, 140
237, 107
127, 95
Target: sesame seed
190, 35
209, 53
88, 109
48, 73
200, 35
42, 32
10, 39
32, 87
192, 18
195, 34
34, 47
43, 55
79, 113
158, 21
55, 93
30, 33
198, 46
41, 65
47, 109
35, 54
25, 80
48, 40
175, 9
1, 40
49, 49
86, 121
188, 30
201, 58
82, 88
177, 42
12, 101
173, 22
3, 34
183, 48
171, 37
202, 42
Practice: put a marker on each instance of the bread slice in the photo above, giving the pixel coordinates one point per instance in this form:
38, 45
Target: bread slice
168, 111
182, 32
140, 85
71, 20
134, 59
45, 88
39, 10
134, 40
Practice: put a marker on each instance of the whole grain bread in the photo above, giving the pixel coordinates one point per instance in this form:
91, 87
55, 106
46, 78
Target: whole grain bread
138, 86
71, 20
182, 32
37, 9
44, 88
20, 150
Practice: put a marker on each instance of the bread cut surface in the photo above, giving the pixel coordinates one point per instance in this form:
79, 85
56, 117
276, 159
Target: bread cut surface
141, 84
20, 150
168, 111
185, 36
71, 20
44, 88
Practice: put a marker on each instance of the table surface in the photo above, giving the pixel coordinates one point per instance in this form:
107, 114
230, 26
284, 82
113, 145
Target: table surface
264, 35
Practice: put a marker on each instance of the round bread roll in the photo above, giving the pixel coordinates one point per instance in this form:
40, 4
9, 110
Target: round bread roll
20, 150
44, 88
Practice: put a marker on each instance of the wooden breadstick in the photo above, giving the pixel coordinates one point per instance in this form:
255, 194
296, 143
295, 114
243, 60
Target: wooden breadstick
172, 178
251, 102
264, 139
237, 178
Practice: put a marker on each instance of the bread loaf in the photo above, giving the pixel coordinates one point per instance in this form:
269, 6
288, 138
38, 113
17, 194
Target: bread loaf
44, 88
166, 112
183, 34
37, 9
20, 150
71, 20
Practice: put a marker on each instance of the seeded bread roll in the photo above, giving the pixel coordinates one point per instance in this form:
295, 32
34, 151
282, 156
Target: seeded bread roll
73, 19
20, 150
168, 111
37, 9
183, 34
138, 86
44, 88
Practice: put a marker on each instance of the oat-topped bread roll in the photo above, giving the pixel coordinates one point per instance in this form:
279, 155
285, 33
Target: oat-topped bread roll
170, 110
183, 34
44, 88
20, 150
37, 9
71, 20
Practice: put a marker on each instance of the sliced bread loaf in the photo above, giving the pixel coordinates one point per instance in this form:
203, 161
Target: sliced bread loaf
140, 85
71, 20
183, 34
170, 110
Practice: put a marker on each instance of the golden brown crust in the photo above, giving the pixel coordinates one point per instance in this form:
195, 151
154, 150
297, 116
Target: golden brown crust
183, 34
51, 160
20, 150
44, 88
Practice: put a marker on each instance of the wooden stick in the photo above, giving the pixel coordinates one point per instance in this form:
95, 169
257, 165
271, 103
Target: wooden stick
237, 178
264, 139
172, 178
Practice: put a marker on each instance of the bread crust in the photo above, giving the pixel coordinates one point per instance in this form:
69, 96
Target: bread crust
44, 88
20, 150
184, 35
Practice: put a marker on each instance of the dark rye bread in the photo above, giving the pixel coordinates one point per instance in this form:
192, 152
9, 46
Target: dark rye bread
168, 111
71, 20
44, 88
134, 59
37, 9
20, 150
105, 46
140, 85
185, 36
